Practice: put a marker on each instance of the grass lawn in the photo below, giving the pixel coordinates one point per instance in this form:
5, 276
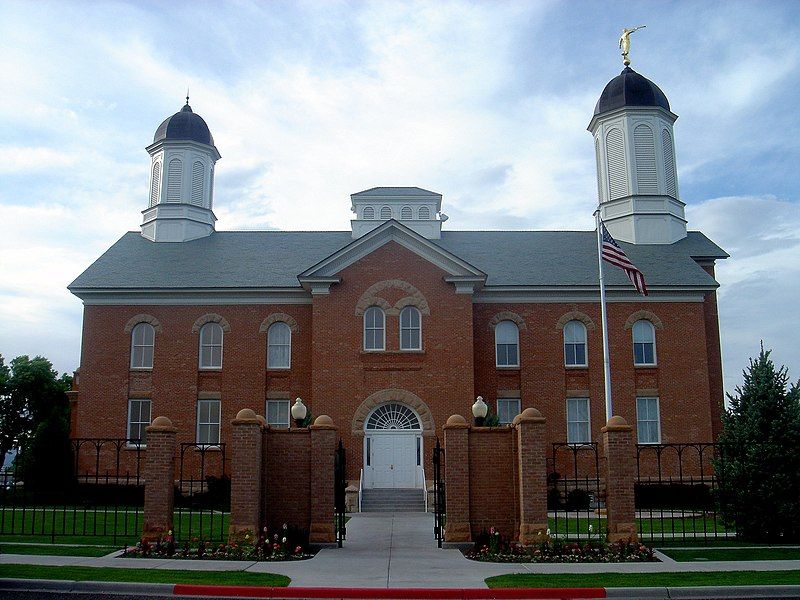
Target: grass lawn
54, 550
733, 554
725, 578
143, 575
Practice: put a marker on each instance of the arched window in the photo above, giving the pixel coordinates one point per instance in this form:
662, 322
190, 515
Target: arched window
374, 329
406, 213
410, 329
575, 344
279, 346
506, 343
369, 213
386, 212
424, 213
198, 174
174, 174
143, 339
644, 343
155, 184
211, 346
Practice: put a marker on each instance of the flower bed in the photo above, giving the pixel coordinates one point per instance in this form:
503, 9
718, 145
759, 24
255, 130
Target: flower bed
492, 547
280, 545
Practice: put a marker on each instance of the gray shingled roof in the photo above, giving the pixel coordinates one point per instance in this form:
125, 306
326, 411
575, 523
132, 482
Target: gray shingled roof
269, 259
396, 191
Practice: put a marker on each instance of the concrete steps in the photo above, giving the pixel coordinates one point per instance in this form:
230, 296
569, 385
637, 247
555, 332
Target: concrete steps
393, 500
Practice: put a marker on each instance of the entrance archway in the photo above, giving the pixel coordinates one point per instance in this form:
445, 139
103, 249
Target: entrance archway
393, 447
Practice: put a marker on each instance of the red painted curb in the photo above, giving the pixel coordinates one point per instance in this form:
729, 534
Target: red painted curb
243, 591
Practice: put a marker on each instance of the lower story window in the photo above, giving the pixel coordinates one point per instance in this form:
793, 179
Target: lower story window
138, 419
507, 409
578, 431
648, 421
278, 413
208, 421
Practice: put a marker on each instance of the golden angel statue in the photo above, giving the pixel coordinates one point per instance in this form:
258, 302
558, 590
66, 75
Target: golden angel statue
625, 43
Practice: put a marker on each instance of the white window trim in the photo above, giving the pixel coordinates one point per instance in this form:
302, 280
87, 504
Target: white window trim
589, 414
218, 423
496, 361
655, 350
585, 362
128, 444
658, 420
519, 408
133, 346
288, 412
400, 338
221, 349
364, 336
271, 367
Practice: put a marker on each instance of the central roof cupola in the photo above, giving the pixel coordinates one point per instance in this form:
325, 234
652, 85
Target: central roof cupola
417, 209
182, 157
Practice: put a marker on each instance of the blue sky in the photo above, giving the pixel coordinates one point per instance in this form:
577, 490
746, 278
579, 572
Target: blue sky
485, 102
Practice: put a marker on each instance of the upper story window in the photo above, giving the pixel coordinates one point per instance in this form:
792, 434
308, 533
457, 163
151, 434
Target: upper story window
644, 343
279, 346
648, 421
143, 339
211, 346
424, 213
410, 329
208, 421
138, 419
506, 343
578, 429
406, 213
575, 344
369, 212
386, 212
374, 329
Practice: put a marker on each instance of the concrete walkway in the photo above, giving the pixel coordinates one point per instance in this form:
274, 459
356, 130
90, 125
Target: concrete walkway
396, 550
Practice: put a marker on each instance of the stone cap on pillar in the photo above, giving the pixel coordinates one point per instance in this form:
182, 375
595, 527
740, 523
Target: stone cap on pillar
529, 415
616, 423
161, 424
246, 416
456, 422
323, 422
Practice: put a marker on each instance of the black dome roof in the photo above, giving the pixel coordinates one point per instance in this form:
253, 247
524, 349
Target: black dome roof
630, 89
184, 125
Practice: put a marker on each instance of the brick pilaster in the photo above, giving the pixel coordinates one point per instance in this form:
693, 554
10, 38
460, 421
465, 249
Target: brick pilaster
246, 457
159, 479
456, 479
619, 469
532, 476
323, 447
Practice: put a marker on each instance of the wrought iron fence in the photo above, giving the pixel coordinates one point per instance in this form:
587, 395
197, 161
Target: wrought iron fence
339, 492
203, 493
97, 492
677, 493
439, 503
574, 494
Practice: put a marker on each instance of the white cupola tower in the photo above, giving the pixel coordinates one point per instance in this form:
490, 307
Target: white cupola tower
414, 207
181, 180
637, 182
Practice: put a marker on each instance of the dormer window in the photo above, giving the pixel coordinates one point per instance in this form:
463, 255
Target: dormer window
386, 212
406, 213
369, 213
424, 213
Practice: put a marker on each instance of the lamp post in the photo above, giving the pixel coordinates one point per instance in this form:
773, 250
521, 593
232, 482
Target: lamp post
479, 411
299, 412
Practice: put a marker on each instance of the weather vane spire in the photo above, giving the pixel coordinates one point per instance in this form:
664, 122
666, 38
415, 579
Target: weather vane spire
625, 43
187, 95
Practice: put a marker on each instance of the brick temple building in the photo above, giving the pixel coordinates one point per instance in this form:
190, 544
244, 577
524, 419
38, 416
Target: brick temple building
395, 325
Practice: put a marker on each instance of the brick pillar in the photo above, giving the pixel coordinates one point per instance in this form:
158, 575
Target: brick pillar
620, 472
159, 479
323, 447
531, 476
456, 479
246, 456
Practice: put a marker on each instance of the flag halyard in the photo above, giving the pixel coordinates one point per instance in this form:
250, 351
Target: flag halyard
613, 254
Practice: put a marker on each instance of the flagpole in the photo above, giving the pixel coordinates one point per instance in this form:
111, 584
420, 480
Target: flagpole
606, 359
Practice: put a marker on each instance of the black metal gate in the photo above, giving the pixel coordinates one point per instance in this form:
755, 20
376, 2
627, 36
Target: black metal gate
203, 494
439, 506
339, 487
574, 492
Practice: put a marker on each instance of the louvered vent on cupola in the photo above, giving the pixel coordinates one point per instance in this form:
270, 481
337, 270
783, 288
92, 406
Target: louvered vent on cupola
406, 213
198, 171
617, 167
599, 171
174, 173
155, 184
645, 152
669, 164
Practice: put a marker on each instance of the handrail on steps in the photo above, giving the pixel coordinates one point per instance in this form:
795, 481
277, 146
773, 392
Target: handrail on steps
360, 488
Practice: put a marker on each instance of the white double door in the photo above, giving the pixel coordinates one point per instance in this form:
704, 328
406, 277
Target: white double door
391, 459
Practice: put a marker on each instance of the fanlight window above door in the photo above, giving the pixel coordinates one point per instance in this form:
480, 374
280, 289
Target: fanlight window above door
393, 416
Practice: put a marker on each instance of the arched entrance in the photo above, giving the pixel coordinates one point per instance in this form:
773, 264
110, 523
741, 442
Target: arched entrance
393, 448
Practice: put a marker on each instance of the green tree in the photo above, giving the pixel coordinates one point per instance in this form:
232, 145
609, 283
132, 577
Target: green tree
759, 463
14, 418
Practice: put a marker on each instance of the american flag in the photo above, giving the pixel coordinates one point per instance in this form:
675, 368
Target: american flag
613, 254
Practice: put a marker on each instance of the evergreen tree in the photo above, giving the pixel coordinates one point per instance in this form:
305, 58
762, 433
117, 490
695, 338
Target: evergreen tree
759, 463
